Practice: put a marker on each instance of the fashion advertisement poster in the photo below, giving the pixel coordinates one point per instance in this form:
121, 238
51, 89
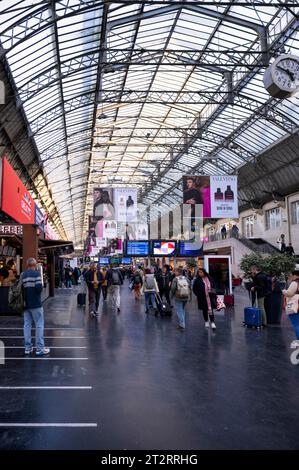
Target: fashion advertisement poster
103, 204
218, 196
125, 200
101, 242
141, 232
196, 193
130, 232
109, 229
224, 197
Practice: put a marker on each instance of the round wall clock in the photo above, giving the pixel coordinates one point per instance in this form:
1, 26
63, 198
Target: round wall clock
281, 78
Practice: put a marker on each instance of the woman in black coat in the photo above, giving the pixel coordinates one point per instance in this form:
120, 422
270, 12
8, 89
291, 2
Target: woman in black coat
203, 288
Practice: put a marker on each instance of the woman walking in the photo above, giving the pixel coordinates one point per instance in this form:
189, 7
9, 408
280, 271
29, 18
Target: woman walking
137, 284
203, 288
292, 298
104, 283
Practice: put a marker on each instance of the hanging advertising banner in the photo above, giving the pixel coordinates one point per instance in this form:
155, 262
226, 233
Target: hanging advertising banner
224, 197
217, 196
101, 242
40, 219
16, 200
103, 204
94, 251
125, 200
50, 234
141, 232
196, 194
110, 229
130, 232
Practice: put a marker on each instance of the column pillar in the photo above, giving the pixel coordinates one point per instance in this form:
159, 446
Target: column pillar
30, 243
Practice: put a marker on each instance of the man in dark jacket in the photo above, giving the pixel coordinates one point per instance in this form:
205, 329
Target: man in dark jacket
34, 312
260, 289
115, 280
94, 279
164, 280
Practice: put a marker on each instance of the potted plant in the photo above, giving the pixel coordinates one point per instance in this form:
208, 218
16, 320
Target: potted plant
246, 264
277, 267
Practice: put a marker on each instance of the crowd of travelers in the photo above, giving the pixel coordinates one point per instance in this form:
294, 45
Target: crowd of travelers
161, 287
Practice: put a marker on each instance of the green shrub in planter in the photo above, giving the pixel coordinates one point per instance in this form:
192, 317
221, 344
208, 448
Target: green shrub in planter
279, 266
251, 260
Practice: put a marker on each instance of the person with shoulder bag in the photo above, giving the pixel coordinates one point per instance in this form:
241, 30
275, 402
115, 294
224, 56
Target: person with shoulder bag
203, 288
150, 288
292, 305
180, 291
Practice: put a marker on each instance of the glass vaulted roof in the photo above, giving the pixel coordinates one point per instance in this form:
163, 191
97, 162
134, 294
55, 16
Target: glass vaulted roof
140, 93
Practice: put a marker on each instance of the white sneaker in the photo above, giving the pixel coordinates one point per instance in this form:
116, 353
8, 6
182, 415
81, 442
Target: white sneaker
213, 325
207, 324
294, 344
43, 352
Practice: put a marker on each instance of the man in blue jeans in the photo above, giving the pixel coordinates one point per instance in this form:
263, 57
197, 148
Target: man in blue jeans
34, 312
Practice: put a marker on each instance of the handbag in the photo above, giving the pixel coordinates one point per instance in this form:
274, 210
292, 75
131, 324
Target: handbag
292, 305
220, 303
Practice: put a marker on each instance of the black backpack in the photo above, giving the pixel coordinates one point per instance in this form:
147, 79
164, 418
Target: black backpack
115, 278
137, 279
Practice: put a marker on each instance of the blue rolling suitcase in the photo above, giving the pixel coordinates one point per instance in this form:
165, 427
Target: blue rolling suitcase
253, 317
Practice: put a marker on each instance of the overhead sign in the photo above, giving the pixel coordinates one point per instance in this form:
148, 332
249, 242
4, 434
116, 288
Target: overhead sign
7, 229
16, 200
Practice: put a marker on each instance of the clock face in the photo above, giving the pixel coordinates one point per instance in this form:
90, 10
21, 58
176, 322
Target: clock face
286, 73
281, 78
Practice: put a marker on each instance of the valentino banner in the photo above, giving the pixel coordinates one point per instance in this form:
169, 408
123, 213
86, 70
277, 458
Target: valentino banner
218, 196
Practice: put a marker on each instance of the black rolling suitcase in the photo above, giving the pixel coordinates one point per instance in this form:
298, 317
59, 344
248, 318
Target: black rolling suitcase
81, 299
164, 308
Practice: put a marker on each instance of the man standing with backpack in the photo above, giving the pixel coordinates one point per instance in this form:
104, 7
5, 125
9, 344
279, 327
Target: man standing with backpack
34, 312
180, 290
115, 280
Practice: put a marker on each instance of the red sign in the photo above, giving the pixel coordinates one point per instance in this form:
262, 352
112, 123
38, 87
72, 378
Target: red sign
16, 200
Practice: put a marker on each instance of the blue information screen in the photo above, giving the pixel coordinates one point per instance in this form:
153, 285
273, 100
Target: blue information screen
126, 260
191, 249
104, 261
137, 248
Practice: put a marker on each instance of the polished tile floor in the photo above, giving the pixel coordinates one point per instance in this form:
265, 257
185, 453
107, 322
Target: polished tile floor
132, 381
